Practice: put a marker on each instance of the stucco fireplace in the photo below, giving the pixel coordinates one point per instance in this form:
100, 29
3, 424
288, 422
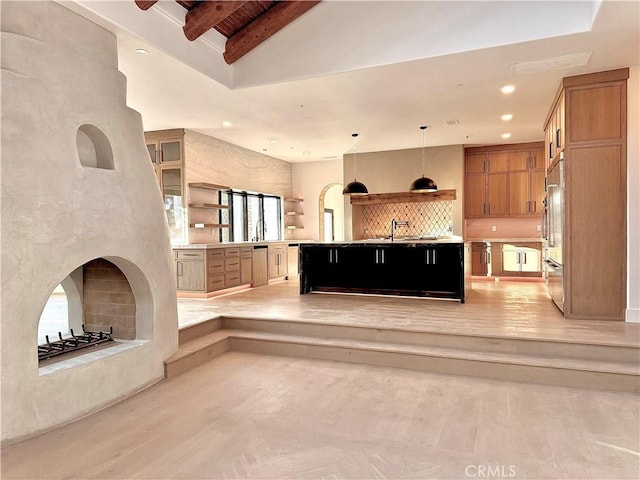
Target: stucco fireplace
78, 190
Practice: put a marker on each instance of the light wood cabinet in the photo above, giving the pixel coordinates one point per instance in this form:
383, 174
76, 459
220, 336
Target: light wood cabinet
165, 146
486, 185
260, 266
277, 260
522, 259
190, 272
293, 253
504, 180
480, 259
587, 124
246, 265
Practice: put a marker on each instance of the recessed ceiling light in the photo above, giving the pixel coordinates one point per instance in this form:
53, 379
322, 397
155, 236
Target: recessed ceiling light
507, 89
273, 140
142, 51
226, 124
506, 117
506, 135
306, 152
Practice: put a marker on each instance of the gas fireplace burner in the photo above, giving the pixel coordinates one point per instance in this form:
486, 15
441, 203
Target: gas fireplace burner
73, 343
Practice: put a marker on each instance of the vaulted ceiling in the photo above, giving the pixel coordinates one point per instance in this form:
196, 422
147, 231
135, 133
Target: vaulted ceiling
245, 24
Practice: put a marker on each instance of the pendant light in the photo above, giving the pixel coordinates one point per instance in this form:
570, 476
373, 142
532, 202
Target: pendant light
423, 184
355, 187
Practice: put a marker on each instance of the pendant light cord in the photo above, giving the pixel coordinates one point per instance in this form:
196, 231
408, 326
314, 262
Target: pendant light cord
355, 156
423, 128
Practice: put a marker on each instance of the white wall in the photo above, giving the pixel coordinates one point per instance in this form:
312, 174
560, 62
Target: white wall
59, 71
633, 195
309, 180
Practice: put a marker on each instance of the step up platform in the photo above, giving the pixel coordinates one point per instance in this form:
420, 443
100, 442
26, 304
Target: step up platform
572, 364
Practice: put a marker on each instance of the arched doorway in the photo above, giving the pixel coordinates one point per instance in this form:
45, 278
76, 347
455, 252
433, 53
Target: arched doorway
331, 213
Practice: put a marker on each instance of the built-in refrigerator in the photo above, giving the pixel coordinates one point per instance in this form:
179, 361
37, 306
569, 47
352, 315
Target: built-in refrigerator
554, 230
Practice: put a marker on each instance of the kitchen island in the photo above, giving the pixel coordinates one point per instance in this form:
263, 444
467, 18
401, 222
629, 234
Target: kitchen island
408, 267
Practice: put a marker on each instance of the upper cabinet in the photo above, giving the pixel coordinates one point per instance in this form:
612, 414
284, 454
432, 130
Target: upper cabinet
504, 180
165, 146
166, 153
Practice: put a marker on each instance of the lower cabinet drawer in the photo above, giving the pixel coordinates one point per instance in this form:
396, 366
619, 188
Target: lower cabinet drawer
246, 251
232, 264
215, 253
215, 266
232, 252
189, 254
215, 282
232, 279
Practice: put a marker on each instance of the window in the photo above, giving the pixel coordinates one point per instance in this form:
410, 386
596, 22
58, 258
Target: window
252, 216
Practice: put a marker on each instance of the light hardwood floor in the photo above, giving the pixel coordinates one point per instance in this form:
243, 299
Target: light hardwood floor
505, 308
250, 416
244, 415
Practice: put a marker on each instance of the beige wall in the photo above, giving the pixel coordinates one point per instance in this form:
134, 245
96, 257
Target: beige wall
310, 179
633, 196
59, 212
208, 159
394, 170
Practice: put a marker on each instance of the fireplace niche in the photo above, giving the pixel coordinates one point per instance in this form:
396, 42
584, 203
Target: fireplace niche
94, 309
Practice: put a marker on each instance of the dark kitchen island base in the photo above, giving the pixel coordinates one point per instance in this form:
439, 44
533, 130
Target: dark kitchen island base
403, 268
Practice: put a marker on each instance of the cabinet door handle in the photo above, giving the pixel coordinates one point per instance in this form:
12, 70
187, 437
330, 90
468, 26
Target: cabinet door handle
488, 208
330, 256
336, 255
488, 165
435, 260
190, 254
558, 137
488, 257
550, 150
524, 257
484, 166
156, 156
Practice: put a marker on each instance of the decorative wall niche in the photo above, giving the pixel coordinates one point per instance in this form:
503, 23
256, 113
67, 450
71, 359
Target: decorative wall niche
94, 148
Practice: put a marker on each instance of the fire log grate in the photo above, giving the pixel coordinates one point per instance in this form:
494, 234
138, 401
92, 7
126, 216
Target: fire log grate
73, 343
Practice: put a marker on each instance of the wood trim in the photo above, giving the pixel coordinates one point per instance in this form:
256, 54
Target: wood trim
403, 197
209, 186
503, 148
263, 27
206, 15
145, 4
164, 134
593, 79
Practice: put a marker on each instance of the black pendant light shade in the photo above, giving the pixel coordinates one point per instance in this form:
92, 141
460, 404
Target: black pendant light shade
355, 187
423, 184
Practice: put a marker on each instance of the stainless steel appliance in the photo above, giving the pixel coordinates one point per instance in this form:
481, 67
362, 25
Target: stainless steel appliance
554, 230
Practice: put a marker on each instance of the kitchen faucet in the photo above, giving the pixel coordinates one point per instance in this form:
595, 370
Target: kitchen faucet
264, 224
395, 223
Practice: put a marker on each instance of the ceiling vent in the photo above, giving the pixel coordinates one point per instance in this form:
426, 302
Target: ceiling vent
451, 123
552, 63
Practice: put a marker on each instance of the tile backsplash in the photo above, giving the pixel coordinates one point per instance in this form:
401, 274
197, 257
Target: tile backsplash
426, 219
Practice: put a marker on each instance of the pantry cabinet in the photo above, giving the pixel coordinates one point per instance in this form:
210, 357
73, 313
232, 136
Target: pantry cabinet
587, 128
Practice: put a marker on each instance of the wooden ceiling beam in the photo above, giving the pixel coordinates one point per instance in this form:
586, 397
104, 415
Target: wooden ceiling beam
206, 15
145, 4
270, 22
